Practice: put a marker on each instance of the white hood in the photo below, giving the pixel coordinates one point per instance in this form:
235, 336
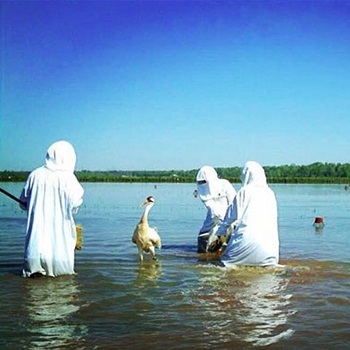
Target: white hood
61, 156
253, 174
212, 187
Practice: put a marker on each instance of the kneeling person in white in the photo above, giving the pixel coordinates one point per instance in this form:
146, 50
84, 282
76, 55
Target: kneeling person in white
254, 240
216, 194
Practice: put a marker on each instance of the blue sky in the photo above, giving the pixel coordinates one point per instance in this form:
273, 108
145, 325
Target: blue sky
161, 85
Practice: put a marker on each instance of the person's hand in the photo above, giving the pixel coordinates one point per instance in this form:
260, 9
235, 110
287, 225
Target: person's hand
215, 246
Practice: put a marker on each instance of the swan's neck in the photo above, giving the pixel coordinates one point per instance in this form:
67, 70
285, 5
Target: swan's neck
144, 217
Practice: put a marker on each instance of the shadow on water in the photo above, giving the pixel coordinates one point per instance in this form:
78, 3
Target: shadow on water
311, 271
14, 268
180, 252
184, 248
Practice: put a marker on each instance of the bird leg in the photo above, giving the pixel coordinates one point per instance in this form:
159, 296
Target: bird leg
140, 254
153, 252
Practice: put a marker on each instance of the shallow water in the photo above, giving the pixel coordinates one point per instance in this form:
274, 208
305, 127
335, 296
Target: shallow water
182, 300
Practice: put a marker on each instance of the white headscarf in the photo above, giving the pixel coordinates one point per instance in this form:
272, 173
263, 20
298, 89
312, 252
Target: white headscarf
61, 156
211, 188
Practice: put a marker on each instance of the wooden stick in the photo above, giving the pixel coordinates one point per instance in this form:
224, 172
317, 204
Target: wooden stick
8, 194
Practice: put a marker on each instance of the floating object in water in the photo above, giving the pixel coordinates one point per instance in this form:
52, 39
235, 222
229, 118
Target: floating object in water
146, 238
79, 241
318, 223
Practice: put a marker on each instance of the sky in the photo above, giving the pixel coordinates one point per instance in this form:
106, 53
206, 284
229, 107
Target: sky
175, 85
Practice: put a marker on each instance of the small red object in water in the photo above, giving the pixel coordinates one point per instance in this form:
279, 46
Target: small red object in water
318, 220
318, 224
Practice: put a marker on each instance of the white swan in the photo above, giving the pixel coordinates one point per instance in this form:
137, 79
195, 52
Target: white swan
146, 238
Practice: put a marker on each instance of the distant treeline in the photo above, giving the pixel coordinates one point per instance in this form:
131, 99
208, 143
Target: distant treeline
313, 173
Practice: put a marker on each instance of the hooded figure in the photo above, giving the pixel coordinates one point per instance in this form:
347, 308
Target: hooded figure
52, 194
254, 240
216, 194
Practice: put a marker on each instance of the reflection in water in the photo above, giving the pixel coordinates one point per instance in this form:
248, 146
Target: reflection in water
247, 304
51, 302
319, 230
265, 310
148, 271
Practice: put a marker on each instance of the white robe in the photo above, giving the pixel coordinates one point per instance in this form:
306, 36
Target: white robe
52, 193
254, 240
216, 194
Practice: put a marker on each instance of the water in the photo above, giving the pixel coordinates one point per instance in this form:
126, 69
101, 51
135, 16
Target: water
182, 300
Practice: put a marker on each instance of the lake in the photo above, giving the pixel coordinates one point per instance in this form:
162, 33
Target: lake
182, 300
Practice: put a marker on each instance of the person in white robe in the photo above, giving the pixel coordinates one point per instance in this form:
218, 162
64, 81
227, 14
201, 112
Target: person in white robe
216, 194
52, 195
255, 239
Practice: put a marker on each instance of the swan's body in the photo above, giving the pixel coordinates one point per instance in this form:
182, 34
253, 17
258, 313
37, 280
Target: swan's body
146, 238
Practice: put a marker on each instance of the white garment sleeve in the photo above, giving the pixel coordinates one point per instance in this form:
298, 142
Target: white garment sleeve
210, 219
230, 217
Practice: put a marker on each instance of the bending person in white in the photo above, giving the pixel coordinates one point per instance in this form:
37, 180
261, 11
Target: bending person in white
254, 240
52, 193
216, 194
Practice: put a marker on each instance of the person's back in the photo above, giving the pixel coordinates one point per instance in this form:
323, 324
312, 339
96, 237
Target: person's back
255, 238
51, 193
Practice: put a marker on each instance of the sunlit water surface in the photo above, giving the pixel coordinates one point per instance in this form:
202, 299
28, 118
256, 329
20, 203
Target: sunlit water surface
182, 300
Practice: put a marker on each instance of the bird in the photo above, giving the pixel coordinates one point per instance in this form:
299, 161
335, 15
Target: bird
145, 237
